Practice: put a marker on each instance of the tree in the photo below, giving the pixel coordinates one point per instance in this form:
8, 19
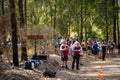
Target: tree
106, 18
25, 11
81, 27
14, 33
114, 20
22, 26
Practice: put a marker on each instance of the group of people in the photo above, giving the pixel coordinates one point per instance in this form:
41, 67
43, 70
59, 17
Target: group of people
77, 50
64, 50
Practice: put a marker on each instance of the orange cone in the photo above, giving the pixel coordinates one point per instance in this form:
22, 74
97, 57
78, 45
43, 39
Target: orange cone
99, 71
99, 74
101, 78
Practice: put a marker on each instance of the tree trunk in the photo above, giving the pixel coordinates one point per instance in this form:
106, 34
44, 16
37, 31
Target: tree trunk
25, 11
54, 25
114, 21
2, 2
118, 29
20, 3
3, 22
106, 19
14, 32
81, 28
22, 26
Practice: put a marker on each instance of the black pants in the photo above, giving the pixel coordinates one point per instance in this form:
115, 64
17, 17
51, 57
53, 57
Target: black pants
75, 59
104, 54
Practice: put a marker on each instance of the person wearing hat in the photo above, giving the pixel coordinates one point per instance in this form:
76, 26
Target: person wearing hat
76, 55
64, 53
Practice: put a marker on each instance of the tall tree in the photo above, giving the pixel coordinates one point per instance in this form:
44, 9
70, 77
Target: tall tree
106, 18
114, 20
14, 32
54, 25
81, 27
22, 26
118, 29
2, 5
25, 11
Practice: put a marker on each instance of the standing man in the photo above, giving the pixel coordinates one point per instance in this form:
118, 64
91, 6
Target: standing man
104, 50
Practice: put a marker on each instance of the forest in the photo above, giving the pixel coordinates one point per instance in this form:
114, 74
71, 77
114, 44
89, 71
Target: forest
98, 19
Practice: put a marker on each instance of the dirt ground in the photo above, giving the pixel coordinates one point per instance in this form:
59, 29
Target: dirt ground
91, 70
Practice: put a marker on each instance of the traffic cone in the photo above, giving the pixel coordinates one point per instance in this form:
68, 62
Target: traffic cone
99, 71
101, 78
99, 74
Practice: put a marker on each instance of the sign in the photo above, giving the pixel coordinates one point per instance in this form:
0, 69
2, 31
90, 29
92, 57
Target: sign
35, 36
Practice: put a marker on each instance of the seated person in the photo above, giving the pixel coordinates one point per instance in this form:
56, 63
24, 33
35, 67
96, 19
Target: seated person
43, 51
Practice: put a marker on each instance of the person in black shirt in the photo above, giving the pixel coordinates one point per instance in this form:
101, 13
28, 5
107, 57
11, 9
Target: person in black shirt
104, 50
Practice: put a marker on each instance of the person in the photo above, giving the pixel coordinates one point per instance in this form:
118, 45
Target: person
83, 44
1, 52
112, 47
119, 47
104, 50
95, 48
43, 51
64, 50
76, 55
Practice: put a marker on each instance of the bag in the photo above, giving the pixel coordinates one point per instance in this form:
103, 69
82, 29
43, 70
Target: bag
49, 73
34, 63
28, 65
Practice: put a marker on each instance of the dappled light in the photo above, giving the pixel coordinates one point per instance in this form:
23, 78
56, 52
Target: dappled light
59, 39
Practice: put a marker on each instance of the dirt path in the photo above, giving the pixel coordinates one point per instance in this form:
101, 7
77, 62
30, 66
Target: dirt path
93, 70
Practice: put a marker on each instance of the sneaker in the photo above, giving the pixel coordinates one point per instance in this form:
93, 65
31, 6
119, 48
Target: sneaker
77, 69
81, 63
62, 66
66, 67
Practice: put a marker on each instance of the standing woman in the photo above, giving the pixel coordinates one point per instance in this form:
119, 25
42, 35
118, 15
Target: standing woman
76, 55
64, 53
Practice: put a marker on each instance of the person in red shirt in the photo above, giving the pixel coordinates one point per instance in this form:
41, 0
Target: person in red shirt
64, 53
76, 55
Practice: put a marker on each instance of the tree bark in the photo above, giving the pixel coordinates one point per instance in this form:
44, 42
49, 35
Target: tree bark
2, 3
54, 25
114, 21
118, 29
81, 28
106, 19
25, 11
22, 26
14, 33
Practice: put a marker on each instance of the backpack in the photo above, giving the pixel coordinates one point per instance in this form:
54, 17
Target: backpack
28, 65
49, 73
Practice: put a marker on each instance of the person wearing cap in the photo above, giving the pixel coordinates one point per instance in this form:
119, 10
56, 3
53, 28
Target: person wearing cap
64, 53
76, 55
